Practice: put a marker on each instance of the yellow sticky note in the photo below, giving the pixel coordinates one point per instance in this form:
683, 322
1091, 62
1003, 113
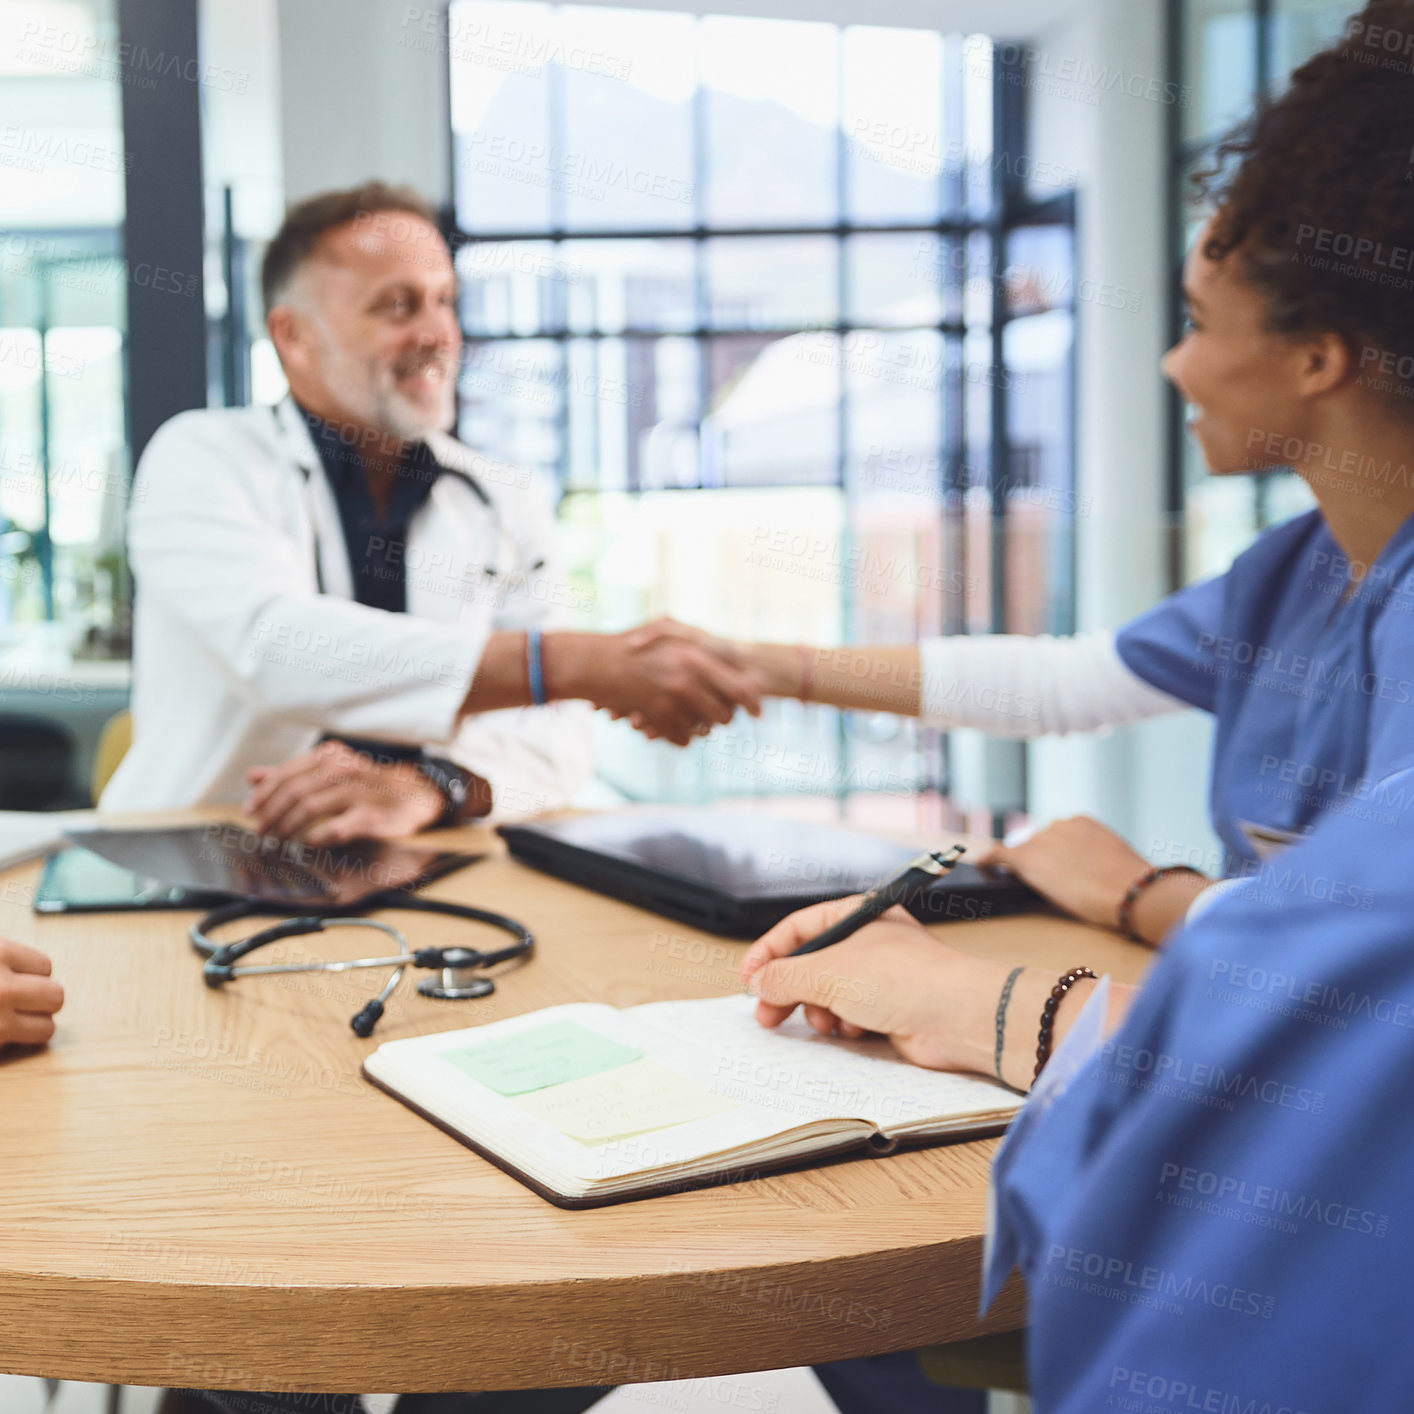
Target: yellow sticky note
632, 1099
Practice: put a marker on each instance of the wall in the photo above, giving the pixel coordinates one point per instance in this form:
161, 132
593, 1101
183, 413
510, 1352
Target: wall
1148, 782
360, 98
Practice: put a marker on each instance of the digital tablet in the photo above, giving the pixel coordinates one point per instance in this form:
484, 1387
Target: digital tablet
201, 866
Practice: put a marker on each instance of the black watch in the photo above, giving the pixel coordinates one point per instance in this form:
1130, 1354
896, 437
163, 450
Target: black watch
454, 784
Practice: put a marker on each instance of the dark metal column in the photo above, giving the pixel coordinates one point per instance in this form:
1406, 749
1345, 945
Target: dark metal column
160, 77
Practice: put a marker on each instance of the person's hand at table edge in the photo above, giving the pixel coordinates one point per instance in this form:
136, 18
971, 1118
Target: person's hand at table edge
334, 794
938, 1006
1087, 870
29, 996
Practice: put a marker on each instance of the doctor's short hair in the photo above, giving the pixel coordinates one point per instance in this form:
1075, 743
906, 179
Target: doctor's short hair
307, 221
1315, 198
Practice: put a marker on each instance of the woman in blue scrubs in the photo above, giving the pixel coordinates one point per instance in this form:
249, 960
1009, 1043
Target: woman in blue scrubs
1210, 1205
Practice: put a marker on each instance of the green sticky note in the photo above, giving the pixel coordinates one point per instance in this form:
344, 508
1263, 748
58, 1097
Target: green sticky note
545, 1055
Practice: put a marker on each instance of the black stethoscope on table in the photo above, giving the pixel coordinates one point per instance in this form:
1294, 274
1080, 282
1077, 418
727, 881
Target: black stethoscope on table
458, 966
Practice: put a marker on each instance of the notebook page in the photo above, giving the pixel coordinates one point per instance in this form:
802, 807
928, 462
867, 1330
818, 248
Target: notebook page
442, 1085
795, 1070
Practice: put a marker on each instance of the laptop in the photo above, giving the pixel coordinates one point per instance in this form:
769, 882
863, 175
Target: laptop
738, 874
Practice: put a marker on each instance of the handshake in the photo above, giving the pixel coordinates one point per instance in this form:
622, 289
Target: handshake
667, 679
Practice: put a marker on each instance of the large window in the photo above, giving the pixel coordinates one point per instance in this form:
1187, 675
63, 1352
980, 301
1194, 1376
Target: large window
783, 312
1228, 53
63, 463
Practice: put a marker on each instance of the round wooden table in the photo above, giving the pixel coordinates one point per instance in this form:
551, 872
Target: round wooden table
201, 1190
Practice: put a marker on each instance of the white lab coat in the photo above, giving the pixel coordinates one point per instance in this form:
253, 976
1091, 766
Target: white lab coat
240, 659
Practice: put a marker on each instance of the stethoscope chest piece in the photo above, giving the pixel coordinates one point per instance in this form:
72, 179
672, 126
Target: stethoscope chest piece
456, 984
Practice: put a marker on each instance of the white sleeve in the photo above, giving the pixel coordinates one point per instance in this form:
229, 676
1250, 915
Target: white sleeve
1012, 685
202, 542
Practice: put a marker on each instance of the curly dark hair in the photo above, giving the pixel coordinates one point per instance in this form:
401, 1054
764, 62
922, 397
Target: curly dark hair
1319, 201
308, 220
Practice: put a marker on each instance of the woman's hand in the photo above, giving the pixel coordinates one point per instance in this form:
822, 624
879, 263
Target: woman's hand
1086, 869
892, 977
29, 996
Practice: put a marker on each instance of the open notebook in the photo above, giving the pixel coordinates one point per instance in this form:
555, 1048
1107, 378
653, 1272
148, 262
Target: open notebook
588, 1104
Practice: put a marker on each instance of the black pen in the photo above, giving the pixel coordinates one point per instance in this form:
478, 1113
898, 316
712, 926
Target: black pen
917, 875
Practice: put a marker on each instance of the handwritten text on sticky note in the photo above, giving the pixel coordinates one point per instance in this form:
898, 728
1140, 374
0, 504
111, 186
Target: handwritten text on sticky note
542, 1056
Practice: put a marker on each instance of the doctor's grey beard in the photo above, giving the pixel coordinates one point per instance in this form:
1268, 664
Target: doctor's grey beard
394, 414
370, 391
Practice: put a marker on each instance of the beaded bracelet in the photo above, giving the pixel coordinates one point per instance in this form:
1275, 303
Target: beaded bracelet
1048, 1016
1150, 876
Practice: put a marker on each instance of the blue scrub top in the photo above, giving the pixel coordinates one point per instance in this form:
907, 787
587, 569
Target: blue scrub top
1216, 1215
1305, 723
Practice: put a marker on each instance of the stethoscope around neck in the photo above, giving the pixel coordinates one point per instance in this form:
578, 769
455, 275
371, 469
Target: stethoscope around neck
461, 969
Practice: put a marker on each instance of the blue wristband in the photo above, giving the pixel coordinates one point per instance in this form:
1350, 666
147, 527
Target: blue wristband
535, 667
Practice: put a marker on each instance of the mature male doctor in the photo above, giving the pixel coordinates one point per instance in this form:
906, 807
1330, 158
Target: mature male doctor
346, 619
